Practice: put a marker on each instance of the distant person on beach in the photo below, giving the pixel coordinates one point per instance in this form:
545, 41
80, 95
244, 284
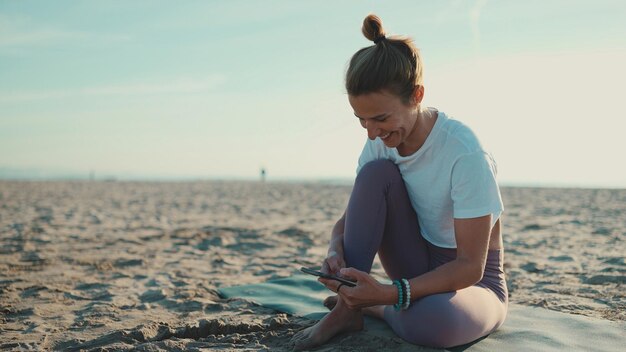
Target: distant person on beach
426, 200
263, 174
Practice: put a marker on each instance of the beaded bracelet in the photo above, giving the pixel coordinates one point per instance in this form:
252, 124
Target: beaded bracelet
407, 300
400, 303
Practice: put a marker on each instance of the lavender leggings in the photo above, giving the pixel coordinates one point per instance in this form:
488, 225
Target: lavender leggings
380, 219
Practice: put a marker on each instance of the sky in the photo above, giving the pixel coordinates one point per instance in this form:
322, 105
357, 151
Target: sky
220, 89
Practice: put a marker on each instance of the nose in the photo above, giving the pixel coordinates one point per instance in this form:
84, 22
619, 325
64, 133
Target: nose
372, 129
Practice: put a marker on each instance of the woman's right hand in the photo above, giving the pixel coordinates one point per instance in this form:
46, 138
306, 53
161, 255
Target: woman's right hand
333, 263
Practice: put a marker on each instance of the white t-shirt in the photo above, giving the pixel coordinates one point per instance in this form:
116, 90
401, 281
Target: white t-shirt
450, 176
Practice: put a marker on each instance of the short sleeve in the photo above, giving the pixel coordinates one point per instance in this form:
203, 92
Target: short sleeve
369, 153
475, 191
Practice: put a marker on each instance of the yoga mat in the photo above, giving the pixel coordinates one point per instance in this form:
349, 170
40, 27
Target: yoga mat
526, 328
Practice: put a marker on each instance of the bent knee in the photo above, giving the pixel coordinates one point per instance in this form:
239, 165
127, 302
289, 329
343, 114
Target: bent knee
381, 169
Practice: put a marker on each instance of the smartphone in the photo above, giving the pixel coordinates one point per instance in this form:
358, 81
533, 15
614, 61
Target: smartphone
328, 276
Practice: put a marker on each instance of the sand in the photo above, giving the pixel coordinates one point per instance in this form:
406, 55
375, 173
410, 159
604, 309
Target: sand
136, 265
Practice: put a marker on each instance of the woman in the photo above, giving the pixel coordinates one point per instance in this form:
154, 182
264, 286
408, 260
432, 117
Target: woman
426, 200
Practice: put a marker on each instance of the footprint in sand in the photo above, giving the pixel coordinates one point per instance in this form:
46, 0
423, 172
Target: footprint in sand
152, 296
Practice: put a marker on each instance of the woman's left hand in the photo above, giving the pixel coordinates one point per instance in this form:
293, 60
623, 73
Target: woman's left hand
368, 291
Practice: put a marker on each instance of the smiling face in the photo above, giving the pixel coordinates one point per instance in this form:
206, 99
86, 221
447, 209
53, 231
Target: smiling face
385, 116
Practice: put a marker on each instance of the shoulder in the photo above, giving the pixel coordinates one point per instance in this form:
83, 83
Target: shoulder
459, 136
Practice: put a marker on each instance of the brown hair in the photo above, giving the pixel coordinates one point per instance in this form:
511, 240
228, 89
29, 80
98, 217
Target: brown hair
392, 64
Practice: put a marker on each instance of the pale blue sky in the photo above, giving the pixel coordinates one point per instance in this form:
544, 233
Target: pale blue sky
220, 88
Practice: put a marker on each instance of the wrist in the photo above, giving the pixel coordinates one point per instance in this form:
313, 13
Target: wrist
390, 295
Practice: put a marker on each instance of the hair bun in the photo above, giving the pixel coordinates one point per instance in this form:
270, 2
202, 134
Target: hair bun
373, 27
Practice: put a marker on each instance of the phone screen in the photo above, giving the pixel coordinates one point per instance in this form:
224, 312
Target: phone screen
328, 276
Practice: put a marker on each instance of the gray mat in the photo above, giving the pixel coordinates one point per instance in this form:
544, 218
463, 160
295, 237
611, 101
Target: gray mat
526, 328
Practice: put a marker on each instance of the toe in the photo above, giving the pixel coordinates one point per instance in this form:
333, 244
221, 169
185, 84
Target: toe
302, 345
330, 302
299, 336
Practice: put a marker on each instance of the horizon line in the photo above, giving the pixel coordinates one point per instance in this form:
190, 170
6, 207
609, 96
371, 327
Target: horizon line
341, 181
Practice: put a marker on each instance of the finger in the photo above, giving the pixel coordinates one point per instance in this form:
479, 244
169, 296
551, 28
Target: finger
330, 284
351, 273
334, 268
325, 266
333, 265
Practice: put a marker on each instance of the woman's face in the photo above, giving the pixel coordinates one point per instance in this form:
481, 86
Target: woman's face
385, 116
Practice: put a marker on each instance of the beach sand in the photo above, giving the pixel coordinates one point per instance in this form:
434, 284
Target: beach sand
136, 265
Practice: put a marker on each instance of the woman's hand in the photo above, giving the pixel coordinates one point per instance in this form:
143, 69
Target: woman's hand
368, 292
333, 263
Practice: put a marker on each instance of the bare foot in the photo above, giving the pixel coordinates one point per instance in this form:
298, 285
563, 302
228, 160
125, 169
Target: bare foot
375, 312
339, 320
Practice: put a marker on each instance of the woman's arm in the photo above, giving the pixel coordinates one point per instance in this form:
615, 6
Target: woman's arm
472, 240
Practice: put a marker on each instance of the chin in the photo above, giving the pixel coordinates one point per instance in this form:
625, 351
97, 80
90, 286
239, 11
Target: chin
390, 144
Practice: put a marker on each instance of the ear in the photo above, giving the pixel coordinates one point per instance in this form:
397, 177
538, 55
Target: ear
418, 95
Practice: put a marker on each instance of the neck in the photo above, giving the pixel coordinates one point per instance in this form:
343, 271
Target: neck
423, 125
